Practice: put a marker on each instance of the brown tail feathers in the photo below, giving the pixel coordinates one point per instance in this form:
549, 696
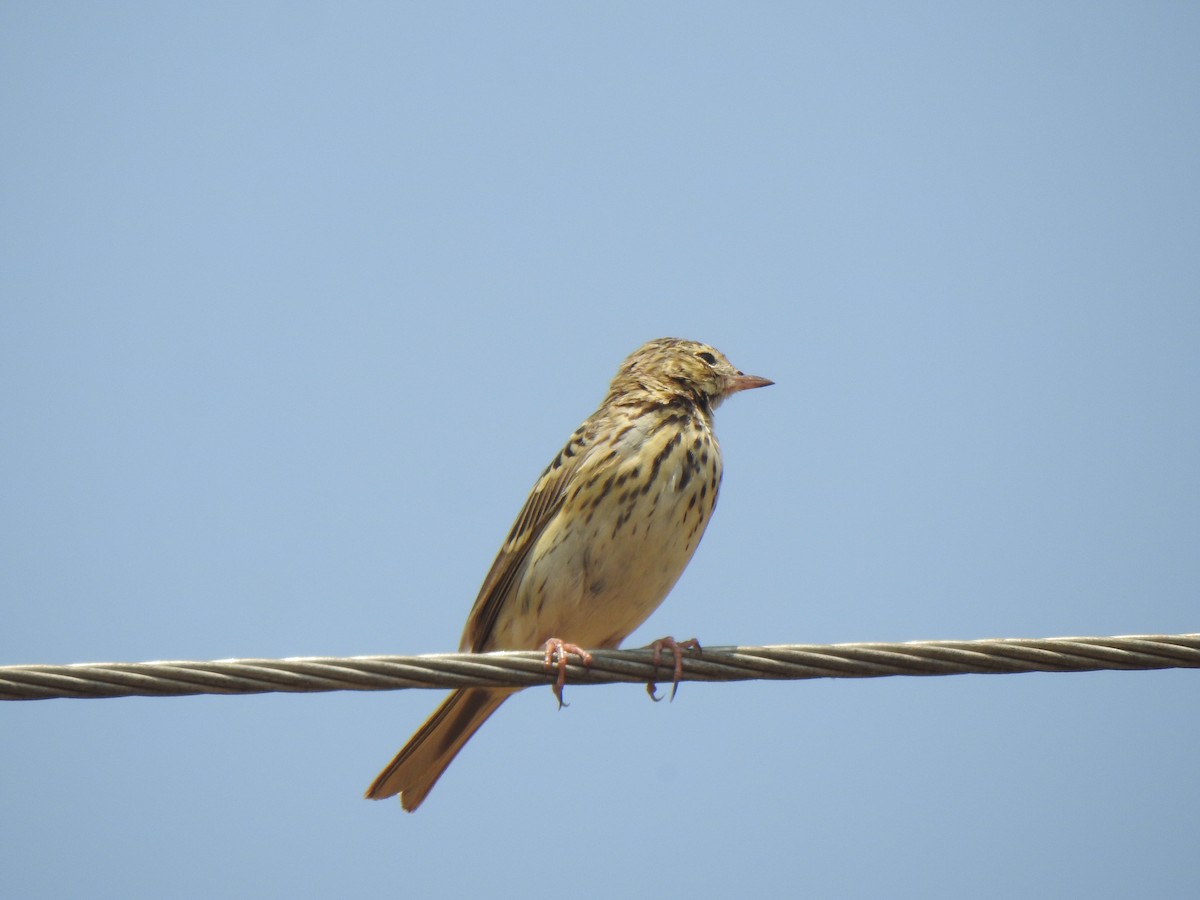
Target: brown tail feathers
418, 766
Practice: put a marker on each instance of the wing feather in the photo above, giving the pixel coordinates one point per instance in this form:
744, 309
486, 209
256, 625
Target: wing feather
545, 500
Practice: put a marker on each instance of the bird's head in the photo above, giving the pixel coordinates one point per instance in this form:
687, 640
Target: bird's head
672, 369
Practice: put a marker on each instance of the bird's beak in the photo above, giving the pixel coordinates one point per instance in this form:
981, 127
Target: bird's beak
740, 382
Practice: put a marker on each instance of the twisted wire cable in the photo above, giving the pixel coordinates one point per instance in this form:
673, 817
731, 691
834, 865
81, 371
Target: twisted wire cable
526, 668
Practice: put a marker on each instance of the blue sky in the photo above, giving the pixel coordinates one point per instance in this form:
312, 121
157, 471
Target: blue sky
298, 300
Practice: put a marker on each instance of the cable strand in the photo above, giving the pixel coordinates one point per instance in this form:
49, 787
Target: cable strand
526, 668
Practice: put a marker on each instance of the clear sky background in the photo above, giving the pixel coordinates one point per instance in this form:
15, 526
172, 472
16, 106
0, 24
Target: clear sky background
298, 300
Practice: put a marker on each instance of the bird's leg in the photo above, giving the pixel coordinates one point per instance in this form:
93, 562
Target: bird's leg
555, 647
676, 648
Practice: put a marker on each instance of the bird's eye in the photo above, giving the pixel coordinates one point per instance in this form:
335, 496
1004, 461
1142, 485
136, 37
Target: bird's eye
707, 357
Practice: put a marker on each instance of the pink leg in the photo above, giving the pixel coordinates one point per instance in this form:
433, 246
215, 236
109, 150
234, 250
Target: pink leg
676, 648
555, 647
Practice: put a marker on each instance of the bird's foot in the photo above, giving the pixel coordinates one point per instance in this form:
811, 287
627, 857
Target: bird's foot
560, 649
676, 648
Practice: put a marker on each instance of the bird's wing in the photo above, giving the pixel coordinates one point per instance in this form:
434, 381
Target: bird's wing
544, 502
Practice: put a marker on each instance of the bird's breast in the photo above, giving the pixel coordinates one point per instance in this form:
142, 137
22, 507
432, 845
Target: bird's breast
621, 539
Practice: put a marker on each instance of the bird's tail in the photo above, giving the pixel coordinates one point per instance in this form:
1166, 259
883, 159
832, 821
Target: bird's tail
421, 762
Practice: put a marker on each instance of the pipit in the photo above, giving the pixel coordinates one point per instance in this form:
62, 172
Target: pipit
607, 530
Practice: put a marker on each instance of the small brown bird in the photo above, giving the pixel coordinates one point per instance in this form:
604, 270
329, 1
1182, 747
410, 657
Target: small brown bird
607, 530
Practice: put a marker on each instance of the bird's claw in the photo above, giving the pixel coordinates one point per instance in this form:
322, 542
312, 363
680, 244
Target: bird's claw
676, 648
560, 649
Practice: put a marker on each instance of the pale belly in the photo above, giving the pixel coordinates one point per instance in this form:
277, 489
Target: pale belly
598, 571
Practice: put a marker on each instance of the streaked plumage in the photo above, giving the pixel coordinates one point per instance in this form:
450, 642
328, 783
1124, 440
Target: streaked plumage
607, 530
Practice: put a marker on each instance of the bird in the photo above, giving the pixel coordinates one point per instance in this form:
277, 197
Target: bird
605, 533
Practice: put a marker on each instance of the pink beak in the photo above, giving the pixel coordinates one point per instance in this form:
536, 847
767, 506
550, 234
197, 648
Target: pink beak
742, 382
